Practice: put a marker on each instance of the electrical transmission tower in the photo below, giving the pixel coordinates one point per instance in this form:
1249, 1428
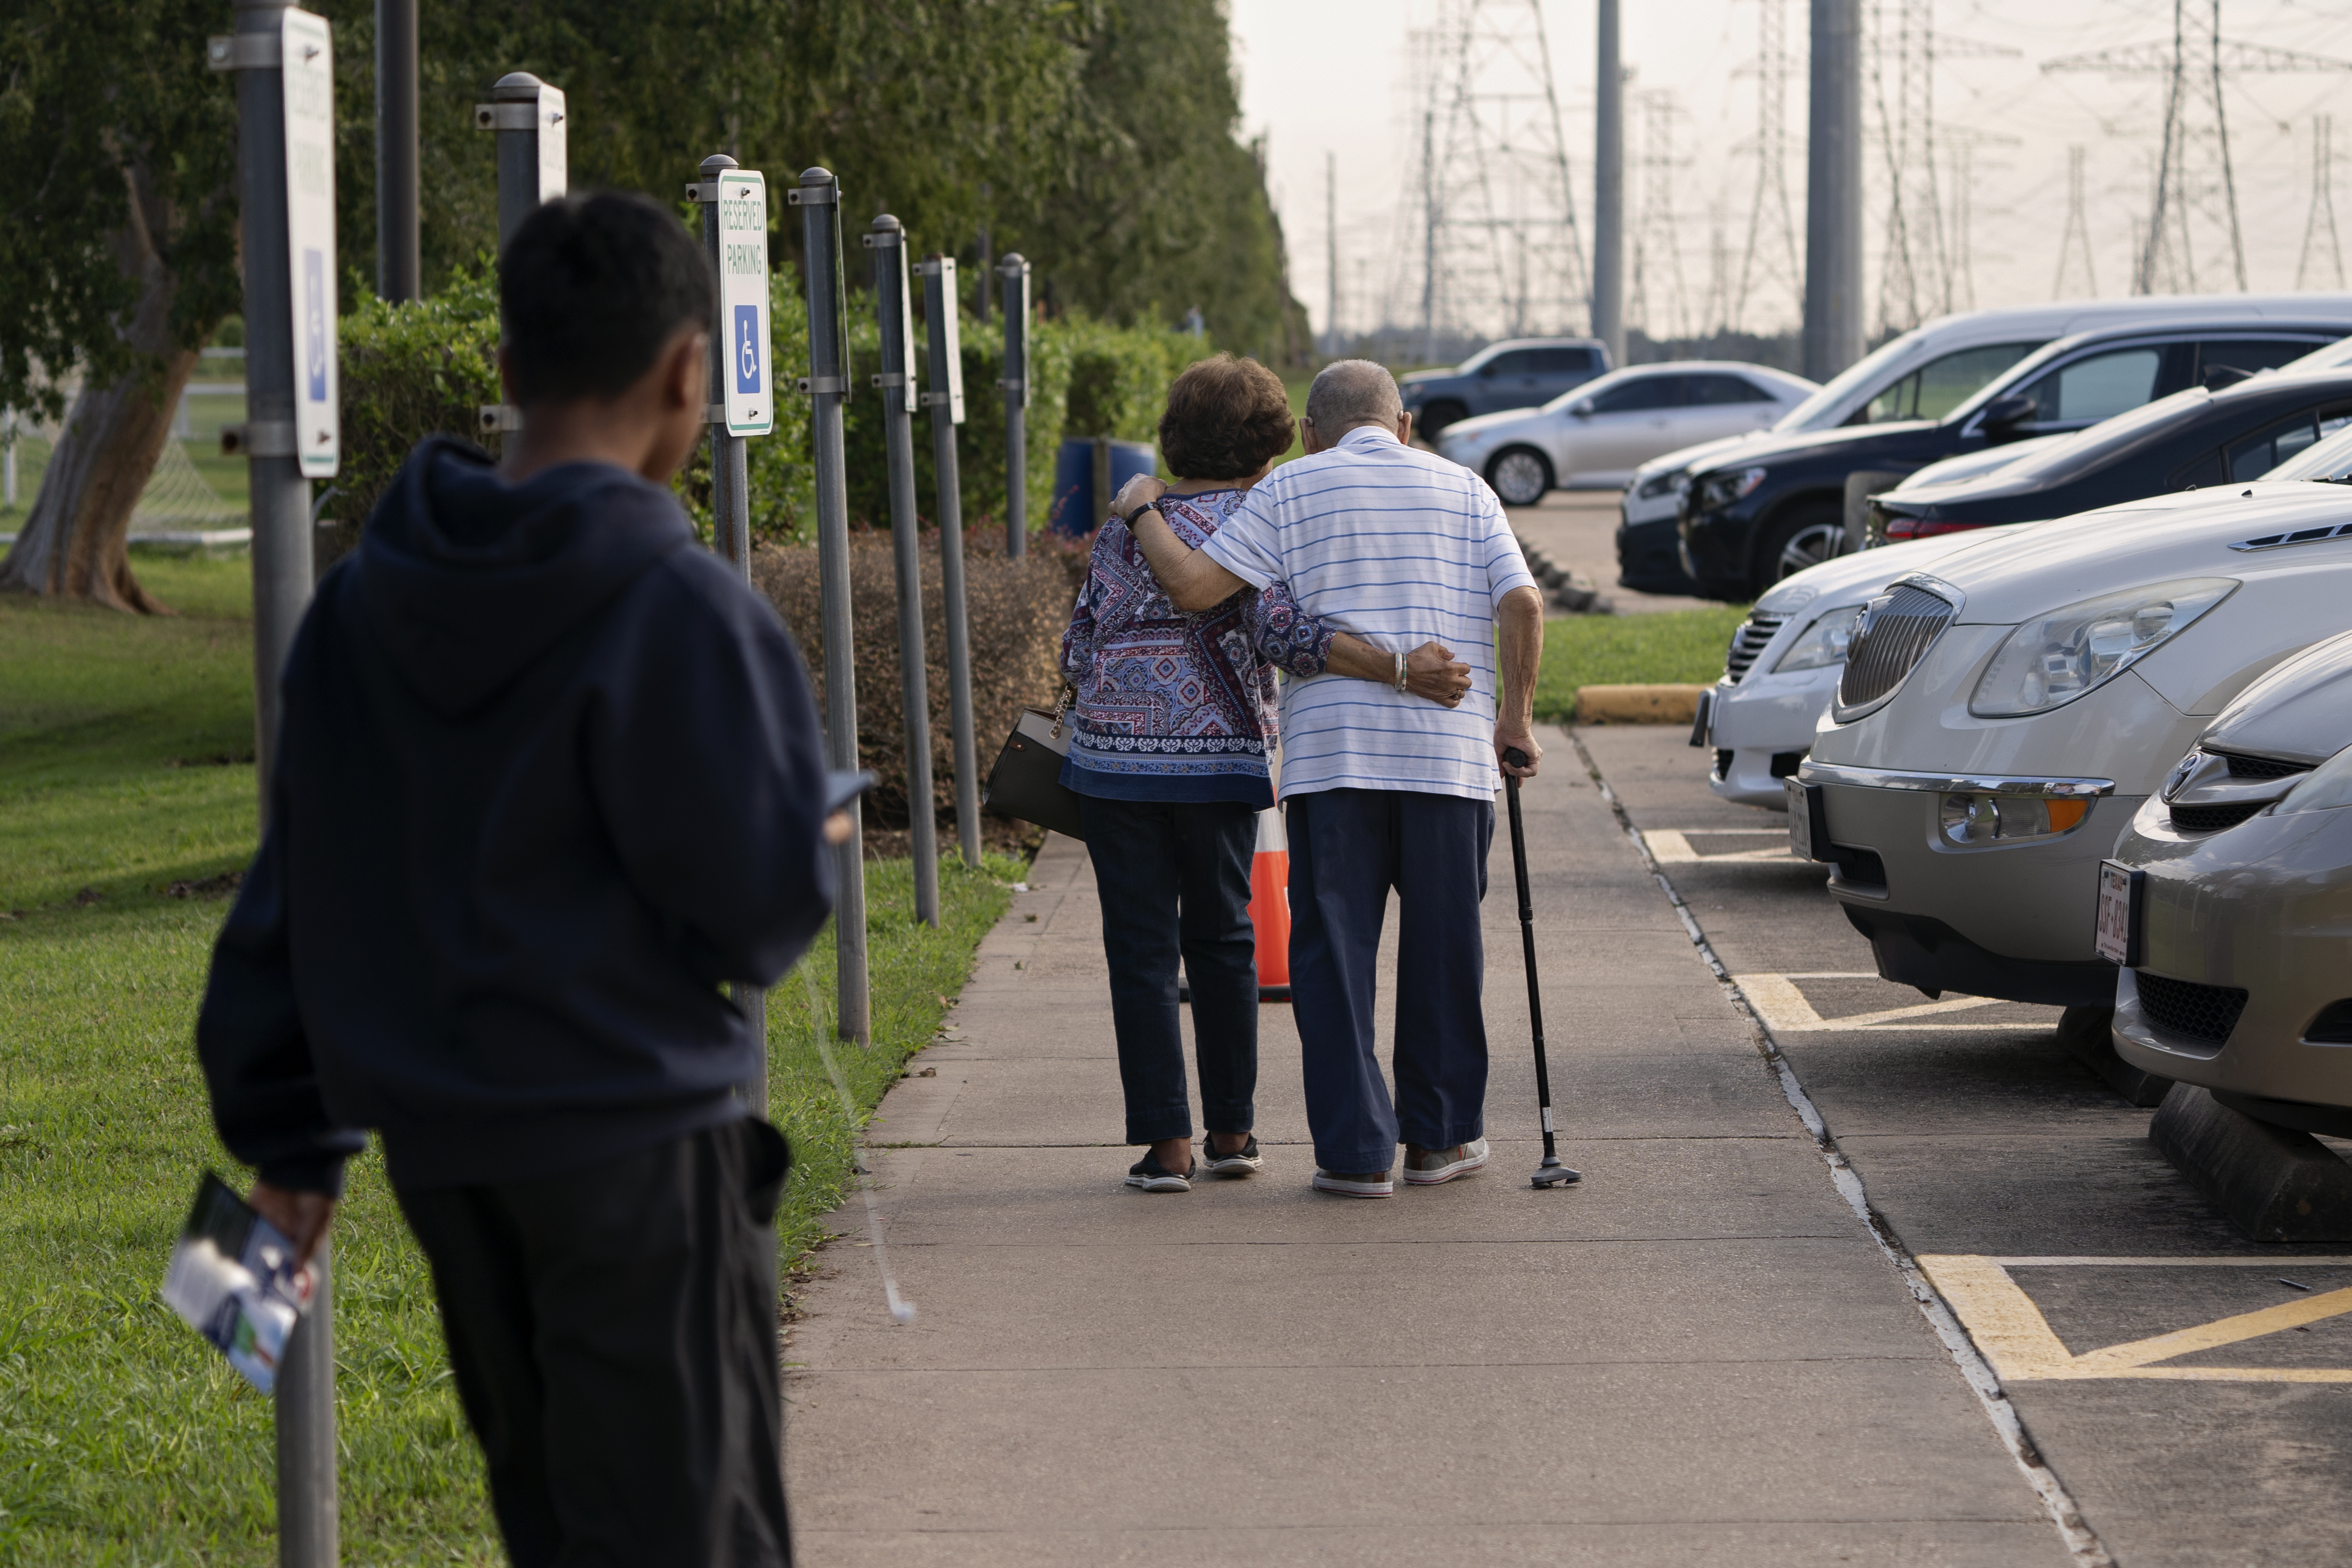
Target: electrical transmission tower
1770, 255
1928, 248
1660, 299
2076, 239
1500, 249
2194, 179
2323, 204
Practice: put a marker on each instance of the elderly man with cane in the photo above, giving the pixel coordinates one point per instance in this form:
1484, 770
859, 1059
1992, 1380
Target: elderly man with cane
1400, 547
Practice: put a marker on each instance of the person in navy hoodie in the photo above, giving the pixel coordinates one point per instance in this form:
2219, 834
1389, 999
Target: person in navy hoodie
549, 776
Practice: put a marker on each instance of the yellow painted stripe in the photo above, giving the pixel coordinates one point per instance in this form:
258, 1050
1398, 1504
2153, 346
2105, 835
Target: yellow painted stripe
2225, 1332
2003, 1321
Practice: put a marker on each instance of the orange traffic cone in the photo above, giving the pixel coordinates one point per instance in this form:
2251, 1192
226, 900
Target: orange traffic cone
1269, 907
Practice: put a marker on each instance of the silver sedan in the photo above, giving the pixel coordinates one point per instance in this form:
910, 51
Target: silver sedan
2229, 899
1594, 436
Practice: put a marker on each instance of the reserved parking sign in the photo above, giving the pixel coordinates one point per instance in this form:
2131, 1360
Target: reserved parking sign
309, 65
743, 301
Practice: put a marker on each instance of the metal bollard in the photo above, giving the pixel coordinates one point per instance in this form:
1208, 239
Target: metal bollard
731, 516
534, 168
291, 435
945, 401
897, 384
819, 198
1015, 384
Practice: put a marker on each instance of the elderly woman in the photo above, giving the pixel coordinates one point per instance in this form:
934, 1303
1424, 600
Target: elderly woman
1173, 719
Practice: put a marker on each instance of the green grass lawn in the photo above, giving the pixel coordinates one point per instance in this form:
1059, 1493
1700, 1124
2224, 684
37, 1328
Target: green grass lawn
1675, 645
123, 1440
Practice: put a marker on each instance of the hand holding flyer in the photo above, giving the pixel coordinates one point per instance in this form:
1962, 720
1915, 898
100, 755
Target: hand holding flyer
234, 1279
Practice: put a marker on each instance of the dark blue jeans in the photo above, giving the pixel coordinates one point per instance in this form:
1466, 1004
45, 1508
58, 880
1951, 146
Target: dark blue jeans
1348, 849
1175, 877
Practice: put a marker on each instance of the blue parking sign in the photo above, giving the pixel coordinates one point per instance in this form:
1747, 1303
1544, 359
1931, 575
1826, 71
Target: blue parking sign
749, 375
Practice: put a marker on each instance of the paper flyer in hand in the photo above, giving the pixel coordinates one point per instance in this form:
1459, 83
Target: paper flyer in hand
234, 1279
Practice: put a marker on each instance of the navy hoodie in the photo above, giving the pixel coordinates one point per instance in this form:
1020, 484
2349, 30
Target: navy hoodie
549, 774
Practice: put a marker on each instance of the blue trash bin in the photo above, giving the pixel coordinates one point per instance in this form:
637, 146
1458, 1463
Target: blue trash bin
1073, 481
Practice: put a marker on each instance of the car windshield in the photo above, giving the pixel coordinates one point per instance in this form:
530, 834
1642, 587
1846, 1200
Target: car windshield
2329, 461
1865, 372
2335, 356
2071, 457
1593, 388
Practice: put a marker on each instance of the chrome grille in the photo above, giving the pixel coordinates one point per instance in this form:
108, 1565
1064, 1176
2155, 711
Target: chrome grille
2183, 1007
1748, 642
1894, 636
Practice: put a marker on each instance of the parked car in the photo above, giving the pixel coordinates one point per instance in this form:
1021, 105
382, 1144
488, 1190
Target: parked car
2226, 904
2000, 719
1524, 373
2190, 440
1592, 436
1786, 659
1925, 373
1754, 515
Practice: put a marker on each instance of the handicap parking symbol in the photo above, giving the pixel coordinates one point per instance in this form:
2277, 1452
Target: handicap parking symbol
748, 376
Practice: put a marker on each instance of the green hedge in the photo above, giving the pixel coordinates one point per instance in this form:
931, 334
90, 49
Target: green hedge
412, 370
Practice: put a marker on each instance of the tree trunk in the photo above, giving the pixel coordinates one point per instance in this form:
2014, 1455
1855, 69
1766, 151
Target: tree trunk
75, 543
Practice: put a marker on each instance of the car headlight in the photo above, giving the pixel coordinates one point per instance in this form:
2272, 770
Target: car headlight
1673, 481
2323, 788
1824, 643
2006, 818
2052, 659
1722, 490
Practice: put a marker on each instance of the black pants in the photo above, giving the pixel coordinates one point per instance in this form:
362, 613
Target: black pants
1348, 849
1174, 876
612, 1332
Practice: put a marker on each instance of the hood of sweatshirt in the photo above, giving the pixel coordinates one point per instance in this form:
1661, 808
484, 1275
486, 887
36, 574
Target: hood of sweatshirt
466, 579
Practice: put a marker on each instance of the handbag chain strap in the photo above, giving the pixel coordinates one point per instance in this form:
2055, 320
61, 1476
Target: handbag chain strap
1062, 705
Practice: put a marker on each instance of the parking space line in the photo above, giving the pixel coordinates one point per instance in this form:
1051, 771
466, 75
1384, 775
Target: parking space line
1786, 1011
2019, 1342
1672, 847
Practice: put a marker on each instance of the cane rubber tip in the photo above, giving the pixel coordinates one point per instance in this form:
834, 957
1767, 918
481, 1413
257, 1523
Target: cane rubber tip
902, 1313
1554, 1177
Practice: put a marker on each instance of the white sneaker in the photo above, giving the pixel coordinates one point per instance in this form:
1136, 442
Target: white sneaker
1357, 1185
1430, 1166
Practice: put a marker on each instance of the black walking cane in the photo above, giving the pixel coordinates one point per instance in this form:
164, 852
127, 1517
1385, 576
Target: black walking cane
1551, 1173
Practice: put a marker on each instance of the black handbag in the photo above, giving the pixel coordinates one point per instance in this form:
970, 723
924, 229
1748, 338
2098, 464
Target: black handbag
1026, 782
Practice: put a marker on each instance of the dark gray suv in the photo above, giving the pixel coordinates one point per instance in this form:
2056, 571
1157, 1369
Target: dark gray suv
1522, 373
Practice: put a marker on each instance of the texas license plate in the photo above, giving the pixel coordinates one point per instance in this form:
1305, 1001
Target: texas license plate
2118, 914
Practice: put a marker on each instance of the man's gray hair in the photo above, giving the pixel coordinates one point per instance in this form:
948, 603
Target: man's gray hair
1351, 392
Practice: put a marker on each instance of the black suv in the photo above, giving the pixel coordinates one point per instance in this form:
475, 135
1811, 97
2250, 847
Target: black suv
2184, 442
1771, 508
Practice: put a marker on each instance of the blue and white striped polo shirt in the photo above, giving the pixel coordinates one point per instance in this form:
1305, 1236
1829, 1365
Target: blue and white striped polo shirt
1397, 546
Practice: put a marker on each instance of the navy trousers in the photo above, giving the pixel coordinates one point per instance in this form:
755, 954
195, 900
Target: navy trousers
1175, 877
1348, 849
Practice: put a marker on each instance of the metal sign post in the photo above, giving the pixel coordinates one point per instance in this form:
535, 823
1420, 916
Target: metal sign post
897, 384
743, 404
818, 195
1015, 384
945, 401
285, 138
534, 162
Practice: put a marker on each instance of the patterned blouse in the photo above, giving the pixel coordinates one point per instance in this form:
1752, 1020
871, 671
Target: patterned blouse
1171, 705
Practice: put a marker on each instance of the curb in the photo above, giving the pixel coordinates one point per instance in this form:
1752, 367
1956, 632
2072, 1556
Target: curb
1637, 704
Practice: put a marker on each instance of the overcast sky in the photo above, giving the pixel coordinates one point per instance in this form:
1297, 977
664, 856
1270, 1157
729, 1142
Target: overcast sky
1329, 77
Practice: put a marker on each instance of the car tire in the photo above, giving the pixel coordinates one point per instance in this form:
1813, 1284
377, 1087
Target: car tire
1805, 536
1520, 475
1437, 417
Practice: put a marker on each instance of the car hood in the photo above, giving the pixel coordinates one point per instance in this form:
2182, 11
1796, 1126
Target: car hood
1966, 467
1695, 457
1500, 422
1415, 377
1852, 579
2018, 573
2300, 712
1767, 449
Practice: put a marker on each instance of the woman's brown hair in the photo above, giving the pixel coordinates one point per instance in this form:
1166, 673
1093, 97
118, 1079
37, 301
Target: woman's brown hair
1226, 419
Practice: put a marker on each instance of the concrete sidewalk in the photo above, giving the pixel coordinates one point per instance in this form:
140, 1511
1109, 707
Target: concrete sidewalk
1697, 1355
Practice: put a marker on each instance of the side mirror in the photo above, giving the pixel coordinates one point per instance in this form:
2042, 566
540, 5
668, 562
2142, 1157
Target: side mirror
2002, 416
1486, 371
1581, 408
